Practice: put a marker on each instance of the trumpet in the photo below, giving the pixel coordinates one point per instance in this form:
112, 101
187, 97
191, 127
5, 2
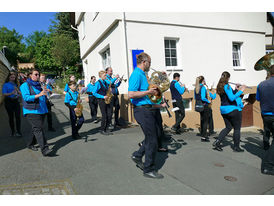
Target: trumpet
239, 85
181, 84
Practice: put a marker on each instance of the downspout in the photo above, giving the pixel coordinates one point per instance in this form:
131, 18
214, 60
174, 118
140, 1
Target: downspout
126, 45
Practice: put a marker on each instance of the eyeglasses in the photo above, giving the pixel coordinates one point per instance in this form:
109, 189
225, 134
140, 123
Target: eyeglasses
36, 74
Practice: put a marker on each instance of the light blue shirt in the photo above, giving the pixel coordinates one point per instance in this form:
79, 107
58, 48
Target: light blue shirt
180, 89
112, 80
97, 86
232, 97
66, 88
138, 82
71, 98
30, 98
8, 87
203, 94
91, 88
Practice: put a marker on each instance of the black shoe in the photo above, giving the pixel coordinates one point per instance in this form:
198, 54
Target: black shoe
33, 148
75, 136
198, 134
51, 129
140, 144
154, 175
96, 121
205, 139
217, 146
237, 149
268, 171
212, 133
106, 133
46, 152
138, 161
78, 136
12, 134
18, 134
266, 145
174, 129
110, 126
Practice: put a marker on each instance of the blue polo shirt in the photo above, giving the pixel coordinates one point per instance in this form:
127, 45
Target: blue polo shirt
90, 88
71, 98
66, 88
8, 87
232, 97
97, 86
111, 80
138, 82
30, 98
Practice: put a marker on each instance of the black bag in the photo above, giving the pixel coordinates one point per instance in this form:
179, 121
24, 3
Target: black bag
199, 106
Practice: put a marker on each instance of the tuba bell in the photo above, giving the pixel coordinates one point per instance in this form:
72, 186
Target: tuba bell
160, 81
265, 63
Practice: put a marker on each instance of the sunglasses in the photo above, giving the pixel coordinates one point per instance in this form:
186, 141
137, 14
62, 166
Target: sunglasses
36, 74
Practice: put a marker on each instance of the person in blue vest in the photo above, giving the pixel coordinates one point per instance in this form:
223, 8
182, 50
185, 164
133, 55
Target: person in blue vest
177, 101
200, 94
100, 92
71, 78
71, 100
115, 83
231, 111
93, 103
49, 103
35, 110
144, 114
12, 95
266, 98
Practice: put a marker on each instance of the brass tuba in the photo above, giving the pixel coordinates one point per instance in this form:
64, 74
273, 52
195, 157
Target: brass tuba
265, 63
160, 81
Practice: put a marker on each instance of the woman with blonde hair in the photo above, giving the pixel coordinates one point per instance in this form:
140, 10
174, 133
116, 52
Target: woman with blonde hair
231, 110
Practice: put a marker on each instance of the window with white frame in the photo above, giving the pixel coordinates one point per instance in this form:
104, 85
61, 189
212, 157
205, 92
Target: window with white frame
170, 52
83, 27
106, 58
236, 54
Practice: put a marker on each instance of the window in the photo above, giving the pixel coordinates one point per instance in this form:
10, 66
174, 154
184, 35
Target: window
236, 53
106, 58
170, 52
83, 27
187, 104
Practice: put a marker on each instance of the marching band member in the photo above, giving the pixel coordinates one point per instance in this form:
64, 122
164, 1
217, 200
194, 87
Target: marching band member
231, 110
265, 96
177, 101
35, 109
144, 115
93, 103
100, 92
71, 78
71, 100
49, 104
115, 83
12, 94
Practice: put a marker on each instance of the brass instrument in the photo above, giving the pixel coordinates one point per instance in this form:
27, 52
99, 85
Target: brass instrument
120, 79
181, 84
109, 95
265, 63
79, 107
239, 84
160, 82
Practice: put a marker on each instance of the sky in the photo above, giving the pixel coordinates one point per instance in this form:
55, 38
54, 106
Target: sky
26, 22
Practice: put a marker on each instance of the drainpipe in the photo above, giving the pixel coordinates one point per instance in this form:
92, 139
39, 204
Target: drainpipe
126, 45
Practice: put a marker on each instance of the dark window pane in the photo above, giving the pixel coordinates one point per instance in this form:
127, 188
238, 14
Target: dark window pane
168, 62
167, 53
173, 52
186, 103
172, 43
174, 62
166, 43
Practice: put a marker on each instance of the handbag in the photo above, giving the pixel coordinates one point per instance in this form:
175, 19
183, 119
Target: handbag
199, 106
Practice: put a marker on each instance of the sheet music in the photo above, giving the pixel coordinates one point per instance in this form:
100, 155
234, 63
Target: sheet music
246, 96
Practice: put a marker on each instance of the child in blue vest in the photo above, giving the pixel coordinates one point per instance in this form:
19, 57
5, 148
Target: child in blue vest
71, 100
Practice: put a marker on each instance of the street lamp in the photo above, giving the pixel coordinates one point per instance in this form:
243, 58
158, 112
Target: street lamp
3, 48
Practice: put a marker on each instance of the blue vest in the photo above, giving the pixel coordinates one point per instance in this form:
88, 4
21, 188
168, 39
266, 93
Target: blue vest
31, 105
198, 96
174, 92
266, 92
103, 89
225, 100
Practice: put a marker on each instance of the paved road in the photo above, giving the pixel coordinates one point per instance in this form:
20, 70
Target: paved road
102, 165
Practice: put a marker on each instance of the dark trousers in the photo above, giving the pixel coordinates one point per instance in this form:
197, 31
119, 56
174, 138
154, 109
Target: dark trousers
49, 116
75, 125
115, 103
37, 132
232, 120
179, 114
204, 119
106, 114
160, 129
93, 105
13, 109
147, 120
267, 128
210, 121
268, 161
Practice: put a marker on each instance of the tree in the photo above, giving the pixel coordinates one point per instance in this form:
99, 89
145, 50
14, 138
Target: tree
65, 51
13, 42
